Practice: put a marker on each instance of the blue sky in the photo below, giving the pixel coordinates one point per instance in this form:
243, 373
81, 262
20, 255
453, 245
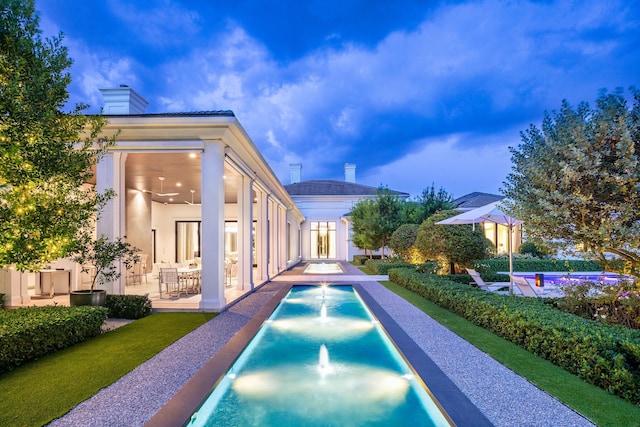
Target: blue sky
414, 93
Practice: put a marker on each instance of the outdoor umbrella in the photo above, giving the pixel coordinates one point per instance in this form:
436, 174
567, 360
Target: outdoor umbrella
489, 213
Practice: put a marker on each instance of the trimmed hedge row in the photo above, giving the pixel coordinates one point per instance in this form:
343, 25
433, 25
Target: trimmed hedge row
383, 266
606, 356
29, 333
536, 265
361, 259
128, 306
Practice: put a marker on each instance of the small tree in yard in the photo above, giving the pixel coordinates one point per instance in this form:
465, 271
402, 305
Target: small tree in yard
101, 253
375, 220
403, 239
363, 219
575, 182
453, 244
46, 156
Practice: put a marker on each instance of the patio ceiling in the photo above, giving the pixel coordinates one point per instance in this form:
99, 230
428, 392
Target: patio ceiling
182, 172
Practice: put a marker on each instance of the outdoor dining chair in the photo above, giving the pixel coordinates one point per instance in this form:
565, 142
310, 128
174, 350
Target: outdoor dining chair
171, 280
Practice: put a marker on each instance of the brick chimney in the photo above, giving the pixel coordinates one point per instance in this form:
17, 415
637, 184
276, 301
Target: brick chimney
296, 172
350, 172
122, 100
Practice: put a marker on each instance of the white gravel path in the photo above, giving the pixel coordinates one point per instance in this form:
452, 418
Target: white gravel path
505, 398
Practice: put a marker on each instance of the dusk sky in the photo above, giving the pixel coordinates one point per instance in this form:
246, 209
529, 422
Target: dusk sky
414, 93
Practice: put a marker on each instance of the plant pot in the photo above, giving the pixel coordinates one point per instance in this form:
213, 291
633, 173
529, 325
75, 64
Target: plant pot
88, 297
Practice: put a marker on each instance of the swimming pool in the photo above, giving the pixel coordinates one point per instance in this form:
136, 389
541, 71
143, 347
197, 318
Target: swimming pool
564, 279
320, 359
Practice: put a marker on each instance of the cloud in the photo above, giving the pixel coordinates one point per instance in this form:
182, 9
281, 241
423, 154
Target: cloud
438, 87
446, 162
164, 23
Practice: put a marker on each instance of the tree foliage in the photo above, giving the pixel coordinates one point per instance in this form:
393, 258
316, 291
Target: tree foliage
458, 244
45, 155
364, 216
403, 239
575, 181
426, 204
375, 220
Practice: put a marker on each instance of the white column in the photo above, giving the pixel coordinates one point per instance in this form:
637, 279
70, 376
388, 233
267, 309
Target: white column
15, 286
110, 174
245, 238
262, 236
213, 226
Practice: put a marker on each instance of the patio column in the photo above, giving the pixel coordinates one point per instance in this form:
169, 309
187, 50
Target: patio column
110, 173
213, 226
245, 235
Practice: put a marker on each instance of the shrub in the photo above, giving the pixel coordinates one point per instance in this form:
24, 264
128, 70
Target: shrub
128, 306
605, 303
403, 238
361, 259
606, 356
2, 300
536, 265
383, 266
29, 333
532, 249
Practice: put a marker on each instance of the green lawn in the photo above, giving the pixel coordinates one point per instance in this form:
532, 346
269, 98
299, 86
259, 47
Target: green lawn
40, 391
599, 406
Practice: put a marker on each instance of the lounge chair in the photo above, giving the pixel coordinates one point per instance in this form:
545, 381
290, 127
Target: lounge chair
477, 280
525, 287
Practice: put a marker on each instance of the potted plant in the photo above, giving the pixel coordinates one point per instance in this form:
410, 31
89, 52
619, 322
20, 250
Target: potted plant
101, 255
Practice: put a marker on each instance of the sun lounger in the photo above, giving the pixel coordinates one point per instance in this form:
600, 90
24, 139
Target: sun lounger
477, 280
524, 286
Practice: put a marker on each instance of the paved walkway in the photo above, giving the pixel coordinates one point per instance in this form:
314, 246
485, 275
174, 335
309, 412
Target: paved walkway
505, 398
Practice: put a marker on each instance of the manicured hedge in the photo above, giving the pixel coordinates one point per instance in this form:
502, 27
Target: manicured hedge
606, 356
2, 299
536, 265
30, 333
383, 266
361, 259
128, 306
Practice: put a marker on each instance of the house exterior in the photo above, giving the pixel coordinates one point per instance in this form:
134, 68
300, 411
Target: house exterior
326, 232
191, 187
498, 234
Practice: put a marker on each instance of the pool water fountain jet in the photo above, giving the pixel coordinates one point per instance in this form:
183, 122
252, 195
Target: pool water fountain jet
323, 312
323, 360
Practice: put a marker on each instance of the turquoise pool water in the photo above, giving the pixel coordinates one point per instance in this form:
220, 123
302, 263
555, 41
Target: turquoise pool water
321, 359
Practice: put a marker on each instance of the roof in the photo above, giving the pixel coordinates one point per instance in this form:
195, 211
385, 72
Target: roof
215, 113
476, 200
334, 188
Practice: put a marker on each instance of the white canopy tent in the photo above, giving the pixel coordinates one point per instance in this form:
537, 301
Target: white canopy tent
489, 213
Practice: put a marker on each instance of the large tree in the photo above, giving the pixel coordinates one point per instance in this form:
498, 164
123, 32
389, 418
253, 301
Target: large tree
575, 182
46, 155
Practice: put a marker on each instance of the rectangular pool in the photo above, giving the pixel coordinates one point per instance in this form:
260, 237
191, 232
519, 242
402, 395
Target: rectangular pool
320, 359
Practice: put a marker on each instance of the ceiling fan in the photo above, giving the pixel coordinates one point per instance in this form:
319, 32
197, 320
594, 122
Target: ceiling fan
162, 193
191, 202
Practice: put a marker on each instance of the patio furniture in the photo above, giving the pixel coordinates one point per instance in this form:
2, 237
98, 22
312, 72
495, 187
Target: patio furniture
525, 287
477, 280
170, 278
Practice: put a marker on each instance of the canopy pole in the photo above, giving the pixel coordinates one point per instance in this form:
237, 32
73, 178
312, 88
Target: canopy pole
509, 245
